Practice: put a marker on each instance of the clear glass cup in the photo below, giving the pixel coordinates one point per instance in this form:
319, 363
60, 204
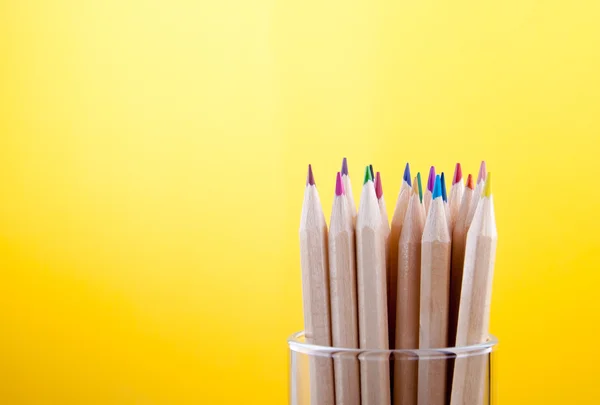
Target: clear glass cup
321, 375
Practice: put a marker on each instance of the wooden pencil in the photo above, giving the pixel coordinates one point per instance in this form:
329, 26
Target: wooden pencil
478, 191
394, 238
385, 222
348, 188
459, 239
427, 197
456, 193
385, 229
315, 292
372, 298
446, 206
424, 212
434, 295
407, 309
344, 307
468, 385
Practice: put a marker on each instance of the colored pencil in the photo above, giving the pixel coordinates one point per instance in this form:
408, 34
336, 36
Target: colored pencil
396, 228
385, 222
315, 291
372, 297
342, 282
348, 188
434, 296
459, 239
445, 198
474, 312
407, 309
478, 191
429, 192
385, 228
421, 195
456, 193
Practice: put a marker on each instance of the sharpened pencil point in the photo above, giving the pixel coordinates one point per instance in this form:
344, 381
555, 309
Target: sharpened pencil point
482, 172
345, 166
420, 187
310, 179
457, 174
407, 174
378, 186
339, 185
470, 182
431, 179
487, 190
372, 172
437, 189
368, 176
444, 195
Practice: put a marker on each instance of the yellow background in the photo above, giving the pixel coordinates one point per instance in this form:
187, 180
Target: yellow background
152, 166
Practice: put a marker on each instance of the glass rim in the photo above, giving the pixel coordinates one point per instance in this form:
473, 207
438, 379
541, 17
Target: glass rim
297, 345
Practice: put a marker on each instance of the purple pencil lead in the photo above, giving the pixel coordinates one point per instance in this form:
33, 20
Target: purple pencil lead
431, 179
310, 179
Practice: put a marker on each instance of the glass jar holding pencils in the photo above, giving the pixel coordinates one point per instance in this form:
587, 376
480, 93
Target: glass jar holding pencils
321, 375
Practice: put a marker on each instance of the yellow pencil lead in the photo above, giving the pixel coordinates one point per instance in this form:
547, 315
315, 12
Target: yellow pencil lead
487, 190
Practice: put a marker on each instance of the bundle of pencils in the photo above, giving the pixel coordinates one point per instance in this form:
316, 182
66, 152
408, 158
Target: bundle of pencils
422, 281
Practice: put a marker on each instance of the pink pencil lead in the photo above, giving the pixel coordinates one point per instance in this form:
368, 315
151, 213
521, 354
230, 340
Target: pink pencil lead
482, 172
339, 185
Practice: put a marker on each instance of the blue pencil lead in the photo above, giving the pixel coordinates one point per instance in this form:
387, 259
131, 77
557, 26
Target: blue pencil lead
437, 188
407, 177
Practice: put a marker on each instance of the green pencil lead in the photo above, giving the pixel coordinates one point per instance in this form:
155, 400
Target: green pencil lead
420, 188
368, 175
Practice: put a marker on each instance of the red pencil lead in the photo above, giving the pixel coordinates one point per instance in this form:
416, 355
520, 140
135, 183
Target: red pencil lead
457, 174
470, 182
378, 187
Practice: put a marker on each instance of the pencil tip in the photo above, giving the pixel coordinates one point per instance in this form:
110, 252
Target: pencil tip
437, 189
372, 172
378, 186
431, 179
487, 190
482, 172
443, 181
368, 175
339, 185
310, 179
415, 187
457, 174
345, 166
419, 185
407, 174
470, 182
